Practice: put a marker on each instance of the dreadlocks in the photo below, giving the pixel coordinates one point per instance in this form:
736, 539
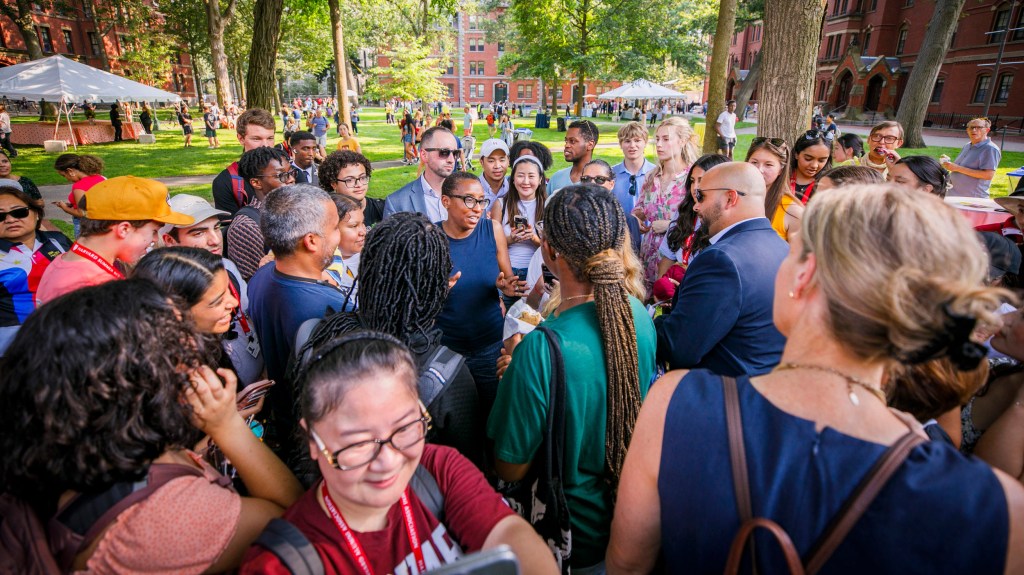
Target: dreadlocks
586, 225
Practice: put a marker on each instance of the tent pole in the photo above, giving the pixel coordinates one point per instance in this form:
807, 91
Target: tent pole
74, 141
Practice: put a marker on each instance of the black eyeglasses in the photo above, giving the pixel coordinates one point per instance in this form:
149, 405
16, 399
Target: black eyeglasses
354, 181
816, 134
362, 453
289, 175
441, 152
472, 202
884, 139
779, 142
632, 185
599, 180
698, 193
16, 213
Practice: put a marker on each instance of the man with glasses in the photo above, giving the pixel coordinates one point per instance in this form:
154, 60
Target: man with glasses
265, 169
975, 166
883, 141
631, 172
423, 195
721, 316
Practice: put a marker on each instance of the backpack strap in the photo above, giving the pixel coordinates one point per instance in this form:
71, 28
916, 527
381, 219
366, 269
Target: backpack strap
237, 185
291, 547
425, 487
737, 449
442, 366
556, 405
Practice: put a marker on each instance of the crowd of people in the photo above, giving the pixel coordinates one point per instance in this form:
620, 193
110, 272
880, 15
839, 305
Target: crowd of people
614, 369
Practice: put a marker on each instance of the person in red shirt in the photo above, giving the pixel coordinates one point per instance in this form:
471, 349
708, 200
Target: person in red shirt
366, 429
123, 217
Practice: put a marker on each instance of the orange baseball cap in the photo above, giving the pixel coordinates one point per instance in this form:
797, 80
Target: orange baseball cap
131, 198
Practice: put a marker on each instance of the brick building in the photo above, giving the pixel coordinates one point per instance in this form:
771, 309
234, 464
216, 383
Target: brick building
869, 47
68, 28
474, 76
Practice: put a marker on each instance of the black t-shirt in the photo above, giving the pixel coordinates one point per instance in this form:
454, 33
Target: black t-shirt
373, 213
224, 195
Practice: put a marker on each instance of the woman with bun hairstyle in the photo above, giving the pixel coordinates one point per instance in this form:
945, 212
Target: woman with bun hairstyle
920, 173
847, 150
815, 426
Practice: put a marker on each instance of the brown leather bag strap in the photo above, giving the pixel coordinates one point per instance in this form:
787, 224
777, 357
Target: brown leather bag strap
860, 500
737, 449
732, 564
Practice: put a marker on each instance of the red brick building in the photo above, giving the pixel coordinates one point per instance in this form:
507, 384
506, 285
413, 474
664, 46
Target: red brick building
67, 28
869, 48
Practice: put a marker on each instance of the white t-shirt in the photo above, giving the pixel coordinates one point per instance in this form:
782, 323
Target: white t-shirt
728, 122
520, 253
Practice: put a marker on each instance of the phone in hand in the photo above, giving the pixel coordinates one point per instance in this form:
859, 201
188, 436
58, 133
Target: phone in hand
520, 222
252, 393
548, 276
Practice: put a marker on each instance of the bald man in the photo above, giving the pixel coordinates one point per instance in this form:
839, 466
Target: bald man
721, 317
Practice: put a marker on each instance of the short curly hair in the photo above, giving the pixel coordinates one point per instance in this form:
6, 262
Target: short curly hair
335, 162
102, 399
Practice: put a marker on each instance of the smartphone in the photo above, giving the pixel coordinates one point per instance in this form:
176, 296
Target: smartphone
499, 560
548, 276
520, 222
252, 394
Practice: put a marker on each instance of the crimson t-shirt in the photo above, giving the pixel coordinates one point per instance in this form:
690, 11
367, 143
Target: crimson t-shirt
471, 508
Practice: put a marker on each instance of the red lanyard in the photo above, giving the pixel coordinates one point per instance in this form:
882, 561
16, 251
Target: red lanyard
238, 310
96, 259
357, 549
807, 191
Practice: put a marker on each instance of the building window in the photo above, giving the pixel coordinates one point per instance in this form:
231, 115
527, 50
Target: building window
472, 90
44, 38
501, 46
94, 43
1019, 34
821, 90
981, 89
451, 70
999, 25
901, 41
529, 91
69, 43
867, 43
838, 46
937, 91
473, 25
480, 90
1003, 88
520, 91
828, 47
472, 68
451, 91
908, 3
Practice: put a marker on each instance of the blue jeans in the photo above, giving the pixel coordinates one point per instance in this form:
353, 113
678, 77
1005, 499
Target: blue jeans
521, 274
483, 364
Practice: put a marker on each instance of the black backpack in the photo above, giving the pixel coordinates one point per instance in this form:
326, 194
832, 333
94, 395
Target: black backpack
297, 554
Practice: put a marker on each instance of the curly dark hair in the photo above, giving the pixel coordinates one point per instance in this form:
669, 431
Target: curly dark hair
256, 160
538, 149
335, 162
101, 399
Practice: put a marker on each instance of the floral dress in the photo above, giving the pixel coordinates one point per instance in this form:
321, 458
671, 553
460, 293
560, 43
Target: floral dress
658, 205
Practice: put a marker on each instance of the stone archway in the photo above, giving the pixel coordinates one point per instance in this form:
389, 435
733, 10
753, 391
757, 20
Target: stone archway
842, 90
730, 89
874, 93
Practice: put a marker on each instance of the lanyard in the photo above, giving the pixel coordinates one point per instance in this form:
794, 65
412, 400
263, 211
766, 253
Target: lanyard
96, 259
238, 310
807, 191
357, 549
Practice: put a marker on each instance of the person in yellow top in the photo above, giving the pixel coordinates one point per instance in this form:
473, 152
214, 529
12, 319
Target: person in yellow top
347, 141
771, 157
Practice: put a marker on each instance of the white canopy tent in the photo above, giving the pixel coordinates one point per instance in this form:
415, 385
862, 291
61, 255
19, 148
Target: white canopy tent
64, 81
642, 90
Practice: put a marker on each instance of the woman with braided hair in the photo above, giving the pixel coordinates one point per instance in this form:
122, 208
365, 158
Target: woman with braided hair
608, 343
403, 283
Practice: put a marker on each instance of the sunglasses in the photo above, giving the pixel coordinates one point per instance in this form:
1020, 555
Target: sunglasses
599, 180
632, 185
778, 142
816, 134
16, 213
441, 152
698, 193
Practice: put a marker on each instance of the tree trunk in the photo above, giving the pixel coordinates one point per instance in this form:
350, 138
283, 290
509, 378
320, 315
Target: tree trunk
195, 76
791, 41
216, 21
259, 82
718, 72
749, 84
554, 96
341, 70
543, 97
21, 15
350, 76
914, 106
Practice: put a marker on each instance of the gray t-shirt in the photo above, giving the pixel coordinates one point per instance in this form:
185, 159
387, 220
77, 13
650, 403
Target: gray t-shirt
244, 348
983, 156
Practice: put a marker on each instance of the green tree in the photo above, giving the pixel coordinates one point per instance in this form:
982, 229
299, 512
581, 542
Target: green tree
20, 12
187, 21
412, 74
725, 28
261, 77
218, 18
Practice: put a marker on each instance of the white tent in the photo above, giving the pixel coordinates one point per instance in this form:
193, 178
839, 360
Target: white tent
641, 90
65, 82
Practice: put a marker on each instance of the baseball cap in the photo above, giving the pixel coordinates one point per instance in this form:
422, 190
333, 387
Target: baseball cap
194, 206
131, 198
489, 146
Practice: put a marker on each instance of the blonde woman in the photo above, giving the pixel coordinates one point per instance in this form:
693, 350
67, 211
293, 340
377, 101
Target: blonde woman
664, 188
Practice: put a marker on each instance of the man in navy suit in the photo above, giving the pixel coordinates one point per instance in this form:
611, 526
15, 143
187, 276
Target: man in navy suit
423, 194
722, 314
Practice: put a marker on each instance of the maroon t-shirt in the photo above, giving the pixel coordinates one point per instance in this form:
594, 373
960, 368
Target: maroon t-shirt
471, 507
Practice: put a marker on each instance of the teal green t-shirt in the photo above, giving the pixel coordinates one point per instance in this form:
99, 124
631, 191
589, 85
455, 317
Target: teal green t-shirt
519, 417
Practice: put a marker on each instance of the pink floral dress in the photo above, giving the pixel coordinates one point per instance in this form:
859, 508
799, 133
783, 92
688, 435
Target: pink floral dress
657, 204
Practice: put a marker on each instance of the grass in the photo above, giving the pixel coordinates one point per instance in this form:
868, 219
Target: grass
380, 141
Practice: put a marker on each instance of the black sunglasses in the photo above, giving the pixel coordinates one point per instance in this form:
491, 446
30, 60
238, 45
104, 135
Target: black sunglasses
698, 193
441, 152
632, 185
599, 180
16, 213
816, 134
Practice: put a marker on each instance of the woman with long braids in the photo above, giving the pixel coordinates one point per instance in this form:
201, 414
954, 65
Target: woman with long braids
403, 282
608, 343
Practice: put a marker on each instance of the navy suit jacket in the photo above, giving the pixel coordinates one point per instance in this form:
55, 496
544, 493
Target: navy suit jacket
408, 198
721, 318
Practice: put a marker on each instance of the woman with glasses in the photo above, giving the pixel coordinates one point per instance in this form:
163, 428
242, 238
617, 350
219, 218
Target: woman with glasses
348, 173
883, 141
365, 428
664, 188
812, 156
25, 253
771, 157
471, 319
518, 213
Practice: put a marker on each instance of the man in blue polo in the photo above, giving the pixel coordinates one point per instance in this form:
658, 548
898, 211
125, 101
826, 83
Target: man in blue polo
631, 172
974, 168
